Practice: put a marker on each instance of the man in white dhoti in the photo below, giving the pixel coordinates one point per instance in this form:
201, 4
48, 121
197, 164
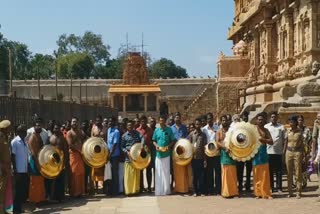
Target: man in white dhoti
163, 141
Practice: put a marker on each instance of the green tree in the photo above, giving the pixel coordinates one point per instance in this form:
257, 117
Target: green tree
75, 65
89, 43
165, 68
20, 58
4, 71
112, 70
44, 64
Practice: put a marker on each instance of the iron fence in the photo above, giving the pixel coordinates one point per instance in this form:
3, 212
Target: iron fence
20, 110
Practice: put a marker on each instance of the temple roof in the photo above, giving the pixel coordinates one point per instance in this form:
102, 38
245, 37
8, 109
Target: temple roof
135, 89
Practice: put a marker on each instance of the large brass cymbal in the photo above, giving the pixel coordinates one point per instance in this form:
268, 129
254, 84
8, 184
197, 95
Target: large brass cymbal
95, 152
211, 149
243, 141
140, 156
182, 153
51, 161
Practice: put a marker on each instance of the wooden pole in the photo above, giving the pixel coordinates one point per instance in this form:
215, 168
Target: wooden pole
86, 93
56, 82
10, 71
71, 88
38, 76
80, 93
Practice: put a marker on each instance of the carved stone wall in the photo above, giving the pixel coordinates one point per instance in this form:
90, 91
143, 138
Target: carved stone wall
283, 38
283, 42
227, 100
232, 72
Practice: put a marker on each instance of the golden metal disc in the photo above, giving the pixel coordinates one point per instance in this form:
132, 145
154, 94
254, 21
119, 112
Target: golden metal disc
211, 149
51, 161
243, 141
182, 153
140, 156
95, 152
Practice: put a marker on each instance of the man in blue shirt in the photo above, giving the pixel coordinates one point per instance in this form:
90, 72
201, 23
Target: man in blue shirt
19, 158
179, 130
131, 174
113, 141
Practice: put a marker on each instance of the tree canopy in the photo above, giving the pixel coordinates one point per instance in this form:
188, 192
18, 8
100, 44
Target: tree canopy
90, 43
20, 57
42, 65
75, 65
76, 56
165, 68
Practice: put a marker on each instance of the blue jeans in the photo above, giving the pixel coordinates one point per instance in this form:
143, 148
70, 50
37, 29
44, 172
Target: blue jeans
198, 176
115, 175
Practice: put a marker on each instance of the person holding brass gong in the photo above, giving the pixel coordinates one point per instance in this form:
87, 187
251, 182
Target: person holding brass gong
261, 174
229, 187
131, 174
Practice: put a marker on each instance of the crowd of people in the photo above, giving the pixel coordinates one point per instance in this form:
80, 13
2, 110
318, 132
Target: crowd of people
21, 180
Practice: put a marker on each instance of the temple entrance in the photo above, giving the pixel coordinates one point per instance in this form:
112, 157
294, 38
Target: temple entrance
164, 109
118, 102
152, 102
136, 95
135, 102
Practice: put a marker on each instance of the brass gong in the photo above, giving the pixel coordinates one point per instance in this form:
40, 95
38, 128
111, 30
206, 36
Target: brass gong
243, 141
182, 153
95, 152
140, 156
51, 161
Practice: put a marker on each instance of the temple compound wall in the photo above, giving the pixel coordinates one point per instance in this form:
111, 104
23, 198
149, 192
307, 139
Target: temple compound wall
134, 94
183, 95
281, 41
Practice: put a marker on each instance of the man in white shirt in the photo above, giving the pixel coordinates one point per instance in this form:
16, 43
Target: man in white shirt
213, 170
275, 151
19, 156
44, 133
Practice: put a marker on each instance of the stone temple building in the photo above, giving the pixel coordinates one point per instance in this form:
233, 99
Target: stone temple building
277, 48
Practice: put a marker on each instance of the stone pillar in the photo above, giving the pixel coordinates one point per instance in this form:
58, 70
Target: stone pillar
145, 102
124, 103
268, 28
157, 103
270, 52
289, 18
112, 100
256, 48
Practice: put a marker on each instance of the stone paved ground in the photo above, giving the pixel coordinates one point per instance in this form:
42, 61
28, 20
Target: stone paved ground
145, 203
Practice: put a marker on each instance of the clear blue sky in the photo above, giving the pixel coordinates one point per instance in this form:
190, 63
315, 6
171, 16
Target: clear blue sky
190, 32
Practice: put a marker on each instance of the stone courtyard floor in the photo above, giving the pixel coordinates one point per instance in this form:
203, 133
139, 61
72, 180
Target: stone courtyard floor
147, 203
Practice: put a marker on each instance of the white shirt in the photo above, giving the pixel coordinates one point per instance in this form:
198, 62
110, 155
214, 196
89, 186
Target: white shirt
21, 152
278, 133
44, 135
210, 132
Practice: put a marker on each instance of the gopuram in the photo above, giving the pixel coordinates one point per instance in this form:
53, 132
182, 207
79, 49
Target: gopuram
136, 95
277, 50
